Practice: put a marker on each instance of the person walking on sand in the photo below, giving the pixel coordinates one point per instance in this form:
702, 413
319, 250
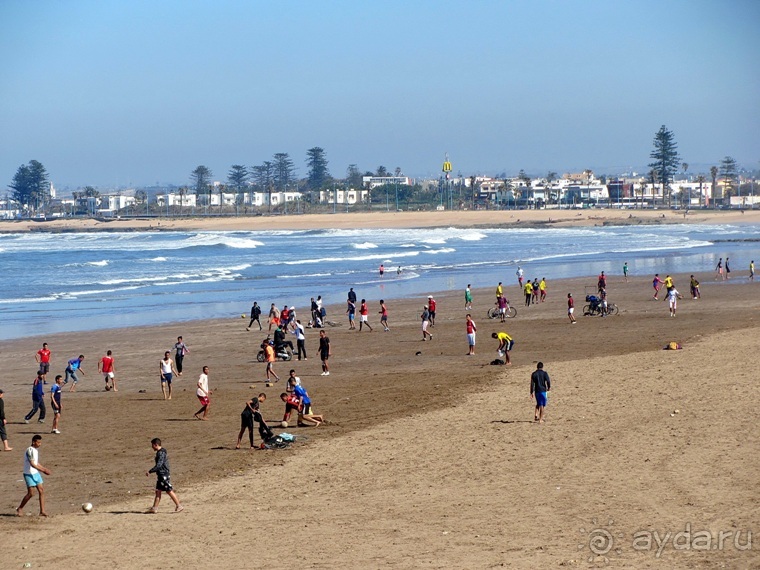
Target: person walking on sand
719, 270
270, 356
38, 400
540, 384
300, 333
180, 351
352, 295
204, 395
657, 284
73, 368
542, 289
528, 290
752, 270
728, 270
694, 287
166, 369
571, 308
625, 271
3, 422
505, 345
255, 316
535, 291
519, 274
425, 316
431, 309
163, 478
471, 330
32, 477
673, 296
55, 402
43, 359
363, 316
324, 352
107, 368
274, 317
468, 298
384, 315
351, 312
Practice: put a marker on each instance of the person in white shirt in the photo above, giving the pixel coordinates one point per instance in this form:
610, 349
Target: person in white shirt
204, 395
166, 371
32, 477
300, 339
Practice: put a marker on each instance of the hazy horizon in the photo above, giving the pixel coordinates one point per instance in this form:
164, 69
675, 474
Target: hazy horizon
132, 93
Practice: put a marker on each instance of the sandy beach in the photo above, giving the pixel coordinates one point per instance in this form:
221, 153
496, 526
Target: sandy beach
431, 459
491, 218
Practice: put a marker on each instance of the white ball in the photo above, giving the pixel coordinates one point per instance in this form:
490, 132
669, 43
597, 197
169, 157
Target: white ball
284, 424
87, 507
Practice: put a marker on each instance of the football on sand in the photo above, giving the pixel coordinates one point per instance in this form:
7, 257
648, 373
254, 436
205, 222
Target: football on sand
284, 424
242, 316
87, 507
108, 387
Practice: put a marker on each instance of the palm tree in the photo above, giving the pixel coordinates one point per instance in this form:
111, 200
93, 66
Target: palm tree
550, 177
701, 179
714, 176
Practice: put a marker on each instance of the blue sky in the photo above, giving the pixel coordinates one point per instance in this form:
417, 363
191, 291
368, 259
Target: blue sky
138, 92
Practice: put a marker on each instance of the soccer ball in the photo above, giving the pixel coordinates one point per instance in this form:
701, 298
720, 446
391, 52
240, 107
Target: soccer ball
284, 424
87, 507
242, 316
108, 387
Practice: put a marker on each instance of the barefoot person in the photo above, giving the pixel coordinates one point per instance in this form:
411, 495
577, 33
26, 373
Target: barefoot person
38, 400
166, 371
324, 352
204, 395
163, 478
540, 384
107, 368
32, 477
471, 330
3, 433
571, 308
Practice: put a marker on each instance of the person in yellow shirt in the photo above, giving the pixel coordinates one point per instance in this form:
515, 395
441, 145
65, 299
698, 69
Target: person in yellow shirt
752, 270
528, 290
505, 345
542, 289
499, 291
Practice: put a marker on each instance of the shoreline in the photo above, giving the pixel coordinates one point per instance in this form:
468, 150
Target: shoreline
379, 220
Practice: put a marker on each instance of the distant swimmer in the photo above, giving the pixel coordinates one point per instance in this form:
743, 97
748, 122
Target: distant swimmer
382, 269
398, 271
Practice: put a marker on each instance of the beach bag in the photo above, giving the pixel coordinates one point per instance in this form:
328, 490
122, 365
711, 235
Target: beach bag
497, 362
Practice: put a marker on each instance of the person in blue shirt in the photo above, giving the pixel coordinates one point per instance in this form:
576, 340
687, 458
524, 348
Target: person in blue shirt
38, 400
72, 369
306, 416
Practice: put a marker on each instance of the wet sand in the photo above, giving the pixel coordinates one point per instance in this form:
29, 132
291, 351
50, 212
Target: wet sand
431, 458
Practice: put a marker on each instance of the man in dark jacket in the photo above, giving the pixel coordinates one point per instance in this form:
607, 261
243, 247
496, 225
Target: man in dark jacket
255, 316
540, 384
3, 434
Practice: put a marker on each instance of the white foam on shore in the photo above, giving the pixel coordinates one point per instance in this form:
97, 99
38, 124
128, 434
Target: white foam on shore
365, 245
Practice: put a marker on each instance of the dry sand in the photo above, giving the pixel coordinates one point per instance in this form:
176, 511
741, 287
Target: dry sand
377, 219
432, 460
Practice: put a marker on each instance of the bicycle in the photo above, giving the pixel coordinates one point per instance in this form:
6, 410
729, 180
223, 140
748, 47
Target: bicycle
509, 312
594, 307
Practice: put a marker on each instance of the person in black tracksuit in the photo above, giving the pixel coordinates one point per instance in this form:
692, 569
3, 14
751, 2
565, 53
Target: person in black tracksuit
250, 414
255, 316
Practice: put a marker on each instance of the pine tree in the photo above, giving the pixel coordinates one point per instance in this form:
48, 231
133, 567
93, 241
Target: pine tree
665, 156
318, 174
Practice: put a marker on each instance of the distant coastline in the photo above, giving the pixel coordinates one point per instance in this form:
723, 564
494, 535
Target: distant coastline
474, 219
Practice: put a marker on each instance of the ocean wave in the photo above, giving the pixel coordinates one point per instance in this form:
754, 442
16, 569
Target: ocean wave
365, 245
385, 257
157, 259
207, 239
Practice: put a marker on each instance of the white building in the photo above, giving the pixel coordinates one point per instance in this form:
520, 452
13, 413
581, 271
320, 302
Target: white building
340, 196
375, 181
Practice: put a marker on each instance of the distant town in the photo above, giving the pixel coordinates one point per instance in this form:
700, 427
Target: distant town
570, 190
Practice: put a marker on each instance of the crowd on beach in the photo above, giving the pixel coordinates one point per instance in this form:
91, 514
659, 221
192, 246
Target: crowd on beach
282, 323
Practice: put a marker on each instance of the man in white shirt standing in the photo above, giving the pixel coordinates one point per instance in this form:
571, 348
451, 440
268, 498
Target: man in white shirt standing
204, 395
32, 477
300, 339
